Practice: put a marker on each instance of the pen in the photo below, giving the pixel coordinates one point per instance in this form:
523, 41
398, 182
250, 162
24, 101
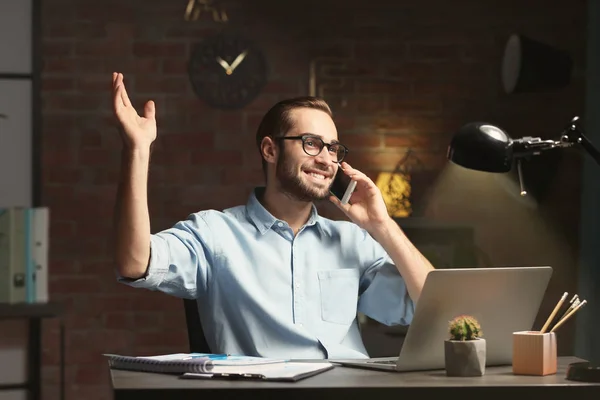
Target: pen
209, 356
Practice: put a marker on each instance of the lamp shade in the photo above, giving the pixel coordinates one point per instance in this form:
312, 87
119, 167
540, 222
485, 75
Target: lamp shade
481, 146
532, 66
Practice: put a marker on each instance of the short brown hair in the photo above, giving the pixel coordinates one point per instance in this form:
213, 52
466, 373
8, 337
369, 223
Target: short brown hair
277, 122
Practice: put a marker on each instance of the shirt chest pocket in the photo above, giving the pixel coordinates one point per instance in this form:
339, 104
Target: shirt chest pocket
339, 295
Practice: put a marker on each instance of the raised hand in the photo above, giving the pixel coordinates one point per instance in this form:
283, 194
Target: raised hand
138, 132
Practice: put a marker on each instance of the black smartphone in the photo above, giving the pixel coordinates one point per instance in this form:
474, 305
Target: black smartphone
342, 186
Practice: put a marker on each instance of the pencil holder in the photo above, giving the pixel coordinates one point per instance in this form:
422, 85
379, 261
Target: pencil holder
534, 353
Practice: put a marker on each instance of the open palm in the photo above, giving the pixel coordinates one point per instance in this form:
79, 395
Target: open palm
138, 131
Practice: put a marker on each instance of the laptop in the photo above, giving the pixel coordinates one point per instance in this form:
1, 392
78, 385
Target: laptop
503, 299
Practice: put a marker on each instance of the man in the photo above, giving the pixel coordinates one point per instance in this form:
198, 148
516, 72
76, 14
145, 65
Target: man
272, 278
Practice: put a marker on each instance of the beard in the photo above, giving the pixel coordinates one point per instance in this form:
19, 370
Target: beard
293, 185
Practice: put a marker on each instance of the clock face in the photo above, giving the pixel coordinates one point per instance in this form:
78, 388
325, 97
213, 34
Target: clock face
227, 71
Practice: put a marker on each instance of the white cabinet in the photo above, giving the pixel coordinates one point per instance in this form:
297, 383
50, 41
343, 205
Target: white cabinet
17, 77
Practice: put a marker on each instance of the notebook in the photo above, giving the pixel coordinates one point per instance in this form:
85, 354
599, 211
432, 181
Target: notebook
180, 363
288, 371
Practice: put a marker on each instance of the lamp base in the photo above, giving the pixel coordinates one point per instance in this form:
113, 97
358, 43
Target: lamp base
583, 372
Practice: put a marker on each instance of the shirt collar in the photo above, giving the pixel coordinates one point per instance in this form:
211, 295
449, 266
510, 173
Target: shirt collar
264, 220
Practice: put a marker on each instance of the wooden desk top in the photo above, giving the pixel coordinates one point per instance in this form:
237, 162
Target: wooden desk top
357, 383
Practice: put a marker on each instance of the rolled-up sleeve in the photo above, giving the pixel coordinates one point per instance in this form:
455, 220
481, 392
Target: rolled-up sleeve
181, 259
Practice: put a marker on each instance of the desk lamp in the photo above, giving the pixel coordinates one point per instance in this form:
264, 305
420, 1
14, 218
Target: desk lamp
486, 147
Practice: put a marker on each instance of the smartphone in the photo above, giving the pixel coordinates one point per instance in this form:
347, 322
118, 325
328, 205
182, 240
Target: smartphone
342, 186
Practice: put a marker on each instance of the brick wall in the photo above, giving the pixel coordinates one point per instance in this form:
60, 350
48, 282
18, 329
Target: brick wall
398, 74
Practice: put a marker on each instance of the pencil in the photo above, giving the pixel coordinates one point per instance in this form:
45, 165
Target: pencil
572, 306
564, 310
573, 311
549, 320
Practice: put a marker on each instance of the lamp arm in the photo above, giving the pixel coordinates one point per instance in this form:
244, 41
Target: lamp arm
589, 147
574, 134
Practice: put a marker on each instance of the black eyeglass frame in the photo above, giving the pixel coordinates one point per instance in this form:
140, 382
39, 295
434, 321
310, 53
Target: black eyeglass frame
305, 137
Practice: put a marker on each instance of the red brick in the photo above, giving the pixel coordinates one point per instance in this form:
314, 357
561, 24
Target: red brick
58, 124
118, 320
230, 122
188, 31
158, 338
253, 121
116, 11
61, 229
95, 157
56, 49
175, 66
216, 157
97, 83
160, 84
371, 86
433, 51
69, 29
153, 49
63, 267
59, 194
234, 175
96, 64
148, 320
73, 284
244, 141
58, 66
407, 104
99, 48
409, 140
57, 84
170, 157
62, 175
361, 141
69, 103
287, 88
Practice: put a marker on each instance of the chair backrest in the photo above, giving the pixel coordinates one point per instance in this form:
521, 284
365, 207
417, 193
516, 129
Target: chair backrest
196, 338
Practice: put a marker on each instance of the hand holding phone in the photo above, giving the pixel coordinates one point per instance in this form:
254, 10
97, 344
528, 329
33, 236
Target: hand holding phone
342, 186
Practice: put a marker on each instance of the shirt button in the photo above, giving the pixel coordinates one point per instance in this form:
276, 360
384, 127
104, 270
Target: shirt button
280, 224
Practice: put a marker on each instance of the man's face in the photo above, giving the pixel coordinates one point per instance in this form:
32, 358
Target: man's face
305, 177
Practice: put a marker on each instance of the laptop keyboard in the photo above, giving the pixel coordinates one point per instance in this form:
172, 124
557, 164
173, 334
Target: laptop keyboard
383, 361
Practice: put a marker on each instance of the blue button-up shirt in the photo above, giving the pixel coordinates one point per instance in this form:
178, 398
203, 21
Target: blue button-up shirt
263, 291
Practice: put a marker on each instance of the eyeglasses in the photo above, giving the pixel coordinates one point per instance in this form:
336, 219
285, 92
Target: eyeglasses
313, 145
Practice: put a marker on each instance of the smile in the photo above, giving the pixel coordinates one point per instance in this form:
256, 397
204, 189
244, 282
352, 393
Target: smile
316, 176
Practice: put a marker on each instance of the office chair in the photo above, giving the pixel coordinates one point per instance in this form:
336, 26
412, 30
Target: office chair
196, 338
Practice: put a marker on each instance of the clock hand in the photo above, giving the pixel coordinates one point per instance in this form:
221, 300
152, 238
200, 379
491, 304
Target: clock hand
224, 64
238, 60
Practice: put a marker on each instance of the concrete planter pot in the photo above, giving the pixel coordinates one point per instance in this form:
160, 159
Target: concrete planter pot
465, 358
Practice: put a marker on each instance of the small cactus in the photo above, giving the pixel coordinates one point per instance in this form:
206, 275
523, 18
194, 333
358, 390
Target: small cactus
465, 327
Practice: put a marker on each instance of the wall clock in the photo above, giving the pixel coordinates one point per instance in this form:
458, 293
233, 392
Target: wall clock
227, 70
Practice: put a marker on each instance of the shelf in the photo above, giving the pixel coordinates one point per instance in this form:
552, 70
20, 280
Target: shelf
30, 310
13, 386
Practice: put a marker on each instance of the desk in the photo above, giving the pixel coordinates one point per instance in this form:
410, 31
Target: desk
354, 383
